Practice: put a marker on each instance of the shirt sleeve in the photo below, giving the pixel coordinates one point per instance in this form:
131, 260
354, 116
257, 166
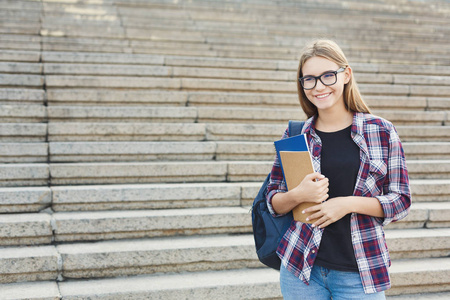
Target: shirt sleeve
277, 183
396, 198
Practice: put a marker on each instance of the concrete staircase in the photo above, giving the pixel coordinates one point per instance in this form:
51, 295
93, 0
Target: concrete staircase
135, 134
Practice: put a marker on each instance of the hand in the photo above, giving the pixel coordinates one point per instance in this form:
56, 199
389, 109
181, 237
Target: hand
328, 212
313, 188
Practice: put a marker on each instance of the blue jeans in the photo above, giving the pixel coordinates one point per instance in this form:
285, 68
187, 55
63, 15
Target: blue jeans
325, 284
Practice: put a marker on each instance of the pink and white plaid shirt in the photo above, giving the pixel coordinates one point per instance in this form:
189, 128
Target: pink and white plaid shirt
382, 175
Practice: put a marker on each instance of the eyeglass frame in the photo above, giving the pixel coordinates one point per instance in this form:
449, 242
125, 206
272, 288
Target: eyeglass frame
340, 70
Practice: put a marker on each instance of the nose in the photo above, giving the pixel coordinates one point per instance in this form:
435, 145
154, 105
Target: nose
319, 85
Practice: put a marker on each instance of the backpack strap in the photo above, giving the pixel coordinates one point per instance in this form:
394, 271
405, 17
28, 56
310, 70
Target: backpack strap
295, 127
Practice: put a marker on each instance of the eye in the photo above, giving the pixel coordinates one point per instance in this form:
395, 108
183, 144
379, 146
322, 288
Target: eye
328, 75
308, 79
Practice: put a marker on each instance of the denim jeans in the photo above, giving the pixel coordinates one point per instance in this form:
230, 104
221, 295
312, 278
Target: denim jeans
325, 284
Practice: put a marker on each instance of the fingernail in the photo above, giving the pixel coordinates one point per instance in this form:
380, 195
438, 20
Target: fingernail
312, 224
303, 211
307, 219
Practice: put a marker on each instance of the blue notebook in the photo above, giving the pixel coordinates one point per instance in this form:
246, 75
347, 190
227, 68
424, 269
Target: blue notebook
296, 143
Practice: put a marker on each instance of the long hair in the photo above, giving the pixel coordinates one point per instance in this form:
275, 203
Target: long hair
330, 50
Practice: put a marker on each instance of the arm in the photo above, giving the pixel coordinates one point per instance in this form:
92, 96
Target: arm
336, 208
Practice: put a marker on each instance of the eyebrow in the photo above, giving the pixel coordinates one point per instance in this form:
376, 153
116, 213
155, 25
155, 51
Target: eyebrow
318, 75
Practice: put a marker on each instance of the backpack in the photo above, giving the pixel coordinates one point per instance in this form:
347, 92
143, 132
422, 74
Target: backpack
267, 230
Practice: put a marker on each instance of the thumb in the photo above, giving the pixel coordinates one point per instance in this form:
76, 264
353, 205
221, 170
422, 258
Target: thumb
316, 176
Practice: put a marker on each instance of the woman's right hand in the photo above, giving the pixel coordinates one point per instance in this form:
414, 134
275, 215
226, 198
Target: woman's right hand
313, 188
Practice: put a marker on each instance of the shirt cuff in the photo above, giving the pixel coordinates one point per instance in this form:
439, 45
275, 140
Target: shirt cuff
269, 202
390, 214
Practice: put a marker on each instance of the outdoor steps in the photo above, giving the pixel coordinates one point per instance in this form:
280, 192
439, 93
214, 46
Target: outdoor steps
206, 64
181, 254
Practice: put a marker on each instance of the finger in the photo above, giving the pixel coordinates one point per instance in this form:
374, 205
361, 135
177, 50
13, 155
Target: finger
325, 224
319, 222
312, 209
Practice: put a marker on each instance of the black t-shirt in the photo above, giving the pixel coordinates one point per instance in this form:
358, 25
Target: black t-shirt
340, 164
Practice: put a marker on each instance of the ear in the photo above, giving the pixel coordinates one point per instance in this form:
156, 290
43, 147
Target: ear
348, 74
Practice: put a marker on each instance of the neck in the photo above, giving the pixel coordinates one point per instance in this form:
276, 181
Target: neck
330, 121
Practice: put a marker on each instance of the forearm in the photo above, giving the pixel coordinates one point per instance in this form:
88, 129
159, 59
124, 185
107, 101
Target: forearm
364, 205
283, 203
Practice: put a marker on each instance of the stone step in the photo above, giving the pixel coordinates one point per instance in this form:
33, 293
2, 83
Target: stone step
211, 115
174, 151
417, 169
201, 84
233, 284
422, 296
118, 131
14, 80
23, 152
159, 255
121, 173
119, 114
149, 196
107, 225
30, 290
29, 264
194, 195
24, 199
420, 276
438, 214
23, 113
140, 131
222, 73
21, 96
20, 56
430, 190
430, 275
102, 97
270, 133
220, 62
166, 255
23, 132
16, 175
19, 67
65, 227
159, 172
25, 229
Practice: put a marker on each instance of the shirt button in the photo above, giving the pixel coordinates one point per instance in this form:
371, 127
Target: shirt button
314, 251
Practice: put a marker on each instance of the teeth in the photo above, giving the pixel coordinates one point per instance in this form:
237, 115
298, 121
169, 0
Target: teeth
322, 96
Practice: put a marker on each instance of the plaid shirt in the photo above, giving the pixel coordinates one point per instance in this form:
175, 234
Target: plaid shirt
382, 175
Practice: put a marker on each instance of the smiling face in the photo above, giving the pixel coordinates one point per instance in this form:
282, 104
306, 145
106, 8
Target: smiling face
322, 96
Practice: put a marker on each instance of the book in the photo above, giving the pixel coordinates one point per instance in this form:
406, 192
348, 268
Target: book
295, 161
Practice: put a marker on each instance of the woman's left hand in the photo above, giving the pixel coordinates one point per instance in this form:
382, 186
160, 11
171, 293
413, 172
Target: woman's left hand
328, 212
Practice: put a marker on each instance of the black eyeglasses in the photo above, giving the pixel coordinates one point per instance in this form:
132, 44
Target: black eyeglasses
328, 78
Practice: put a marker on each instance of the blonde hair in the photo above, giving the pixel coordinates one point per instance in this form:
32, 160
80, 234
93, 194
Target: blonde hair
330, 50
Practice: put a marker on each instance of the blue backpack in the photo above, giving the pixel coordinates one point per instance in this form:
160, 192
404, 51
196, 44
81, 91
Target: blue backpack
267, 230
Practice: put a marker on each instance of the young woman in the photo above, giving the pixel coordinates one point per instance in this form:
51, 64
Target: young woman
361, 184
